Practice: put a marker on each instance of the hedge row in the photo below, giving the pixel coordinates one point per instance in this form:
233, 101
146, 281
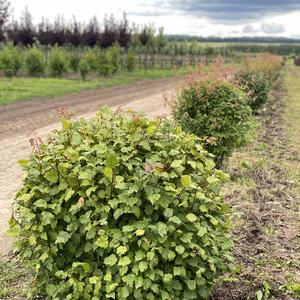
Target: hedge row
59, 62
122, 207
217, 106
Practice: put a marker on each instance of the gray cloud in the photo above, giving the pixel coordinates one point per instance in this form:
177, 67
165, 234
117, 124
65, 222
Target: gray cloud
229, 11
248, 29
272, 28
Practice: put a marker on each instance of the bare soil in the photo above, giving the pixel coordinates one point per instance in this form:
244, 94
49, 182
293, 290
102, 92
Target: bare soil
265, 202
18, 118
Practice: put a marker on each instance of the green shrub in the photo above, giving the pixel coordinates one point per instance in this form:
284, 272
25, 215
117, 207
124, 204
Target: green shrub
217, 111
34, 61
115, 58
10, 60
84, 67
91, 57
104, 63
130, 61
125, 208
74, 62
256, 86
58, 61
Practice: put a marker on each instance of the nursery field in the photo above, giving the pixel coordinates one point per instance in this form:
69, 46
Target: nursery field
24, 88
263, 193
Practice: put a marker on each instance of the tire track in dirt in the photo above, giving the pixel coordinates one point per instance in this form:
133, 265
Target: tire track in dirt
18, 118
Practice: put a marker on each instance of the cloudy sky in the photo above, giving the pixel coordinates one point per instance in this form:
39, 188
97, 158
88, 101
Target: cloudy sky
196, 17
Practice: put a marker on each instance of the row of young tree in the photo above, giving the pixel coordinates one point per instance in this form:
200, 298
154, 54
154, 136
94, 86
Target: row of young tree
75, 33
57, 62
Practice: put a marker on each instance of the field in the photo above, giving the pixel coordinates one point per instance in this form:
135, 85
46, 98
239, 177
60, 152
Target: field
22, 88
263, 193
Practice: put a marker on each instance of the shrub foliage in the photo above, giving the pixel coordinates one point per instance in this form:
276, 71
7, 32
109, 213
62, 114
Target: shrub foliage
213, 108
10, 60
256, 86
34, 61
58, 62
125, 208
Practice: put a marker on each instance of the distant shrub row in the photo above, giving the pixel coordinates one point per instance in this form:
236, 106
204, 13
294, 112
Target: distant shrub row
104, 62
217, 106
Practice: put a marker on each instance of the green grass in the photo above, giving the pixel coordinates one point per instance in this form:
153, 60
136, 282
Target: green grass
13, 278
292, 79
22, 88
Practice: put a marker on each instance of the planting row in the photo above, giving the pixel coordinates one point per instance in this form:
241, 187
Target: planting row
56, 61
59, 62
122, 207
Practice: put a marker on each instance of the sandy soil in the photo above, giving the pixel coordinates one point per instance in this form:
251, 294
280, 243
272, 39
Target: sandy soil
18, 118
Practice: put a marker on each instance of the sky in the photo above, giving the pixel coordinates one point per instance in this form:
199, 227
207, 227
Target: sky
223, 18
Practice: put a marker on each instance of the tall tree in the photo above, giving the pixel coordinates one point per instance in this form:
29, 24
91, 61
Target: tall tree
4, 15
27, 30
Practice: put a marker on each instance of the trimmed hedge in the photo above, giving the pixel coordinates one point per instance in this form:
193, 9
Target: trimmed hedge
125, 208
256, 86
217, 111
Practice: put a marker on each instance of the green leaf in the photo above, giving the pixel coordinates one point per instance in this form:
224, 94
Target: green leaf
41, 203
13, 232
143, 265
62, 237
179, 249
139, 255
176, 164
22, 162
65, 123
110, 260
112, 160
102, 242
127, 228
121, 250
108, 173
52, 176
162, 229
191, 284
69, 194
153, 198
259, 295
227, 245
168, 278
186, 181
179, 271
139, 232
46, 218
124, 261
191, 217
145, 144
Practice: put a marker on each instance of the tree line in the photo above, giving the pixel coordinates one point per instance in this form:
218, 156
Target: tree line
75, 33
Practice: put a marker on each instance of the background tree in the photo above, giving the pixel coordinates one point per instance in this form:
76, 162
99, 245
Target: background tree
4, 15
26, 30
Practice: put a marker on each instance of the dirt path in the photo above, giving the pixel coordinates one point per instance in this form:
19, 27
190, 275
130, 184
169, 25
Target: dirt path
20, 117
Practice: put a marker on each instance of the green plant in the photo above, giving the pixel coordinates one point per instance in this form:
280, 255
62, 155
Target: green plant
91, 56
12, 277
104, 63
122, 207
34, 61
115, 57
256, 86
58, 62
214, 109
74, 62
10, 60
130, 60
84, 67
